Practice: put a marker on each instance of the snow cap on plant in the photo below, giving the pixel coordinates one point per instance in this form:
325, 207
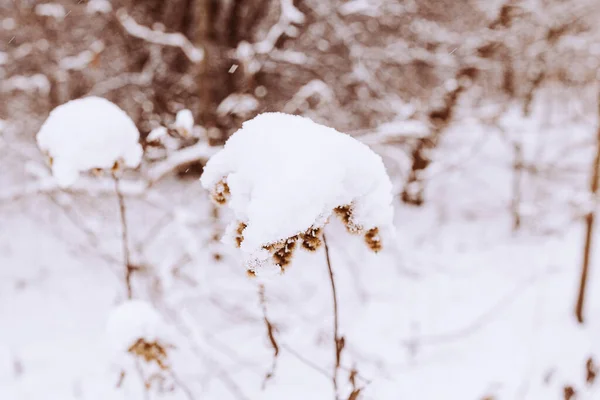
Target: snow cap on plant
136, 328
88, 134
184, 123
285, 175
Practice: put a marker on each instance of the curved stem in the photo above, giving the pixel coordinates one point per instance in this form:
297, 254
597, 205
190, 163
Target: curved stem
124, 237
338, 341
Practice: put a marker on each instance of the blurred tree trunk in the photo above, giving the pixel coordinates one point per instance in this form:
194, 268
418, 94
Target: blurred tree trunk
200, 36
589, 228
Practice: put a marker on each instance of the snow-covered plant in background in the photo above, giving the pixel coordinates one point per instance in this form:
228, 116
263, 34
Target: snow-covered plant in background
164, 139
141, 342
92, 134
88, 134
284, 177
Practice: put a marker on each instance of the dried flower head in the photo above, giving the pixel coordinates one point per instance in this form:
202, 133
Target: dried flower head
311, 240
373, 239
283, 251
221, 193
116, 166
97, 172
239, 234
345, 213
150, 352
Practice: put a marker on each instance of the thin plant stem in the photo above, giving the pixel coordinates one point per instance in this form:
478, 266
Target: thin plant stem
270, 333
338, 340
590, 220
124, 236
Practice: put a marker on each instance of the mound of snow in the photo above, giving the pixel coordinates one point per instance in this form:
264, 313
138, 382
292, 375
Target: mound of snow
88, 133
285, 174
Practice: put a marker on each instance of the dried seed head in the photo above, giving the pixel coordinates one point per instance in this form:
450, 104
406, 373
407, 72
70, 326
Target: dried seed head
239, 234
221, 192
283, 251
150, 352
373, 239
97, 172
116, 166
310, 239
251, 273
345, 214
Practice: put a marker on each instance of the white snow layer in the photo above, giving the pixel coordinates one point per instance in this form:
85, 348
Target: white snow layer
53, 10
88, 133
184, 122
134, 320
98, 6
286, 174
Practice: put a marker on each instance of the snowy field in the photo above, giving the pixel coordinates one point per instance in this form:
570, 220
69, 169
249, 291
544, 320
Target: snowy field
459, 306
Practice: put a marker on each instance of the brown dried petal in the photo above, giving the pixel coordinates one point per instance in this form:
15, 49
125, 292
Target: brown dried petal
345, 213
373, 239
283, 251
150, 352
239, 234
221, 192
310, 239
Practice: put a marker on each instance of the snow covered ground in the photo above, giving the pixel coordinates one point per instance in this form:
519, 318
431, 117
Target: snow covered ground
460, 307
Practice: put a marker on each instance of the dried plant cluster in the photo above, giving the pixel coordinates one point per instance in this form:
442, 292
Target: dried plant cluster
372, 238
282, 251
220, 194
150, 352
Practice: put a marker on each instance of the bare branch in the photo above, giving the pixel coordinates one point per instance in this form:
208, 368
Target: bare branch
199, 152
193, 53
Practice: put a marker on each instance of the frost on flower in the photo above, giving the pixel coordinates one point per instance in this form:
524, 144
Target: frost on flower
285, 175
88, 134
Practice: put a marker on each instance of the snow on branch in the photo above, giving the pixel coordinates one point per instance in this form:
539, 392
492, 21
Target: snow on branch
193, 53
198, 152
289, 15
314, 87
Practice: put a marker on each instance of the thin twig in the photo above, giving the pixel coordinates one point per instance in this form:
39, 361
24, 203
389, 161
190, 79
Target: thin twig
589, 231
270, 333
338, 340
124, 236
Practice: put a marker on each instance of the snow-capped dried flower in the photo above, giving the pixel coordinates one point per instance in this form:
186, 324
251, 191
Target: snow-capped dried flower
184, 123
257, 174
86, 134
137, 328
